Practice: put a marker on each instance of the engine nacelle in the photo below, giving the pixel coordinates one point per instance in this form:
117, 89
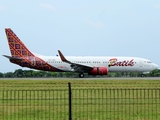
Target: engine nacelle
99, 71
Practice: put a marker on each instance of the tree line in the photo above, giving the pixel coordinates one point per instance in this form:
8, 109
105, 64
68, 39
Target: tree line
20, 73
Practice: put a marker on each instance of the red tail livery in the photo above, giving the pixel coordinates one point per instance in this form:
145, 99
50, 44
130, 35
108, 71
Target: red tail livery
22, 56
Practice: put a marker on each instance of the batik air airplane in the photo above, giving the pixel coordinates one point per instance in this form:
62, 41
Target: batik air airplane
22, 56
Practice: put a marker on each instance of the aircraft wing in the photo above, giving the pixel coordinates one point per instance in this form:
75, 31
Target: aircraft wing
75, 66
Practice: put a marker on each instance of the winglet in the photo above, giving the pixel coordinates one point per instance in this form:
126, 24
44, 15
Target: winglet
62, 57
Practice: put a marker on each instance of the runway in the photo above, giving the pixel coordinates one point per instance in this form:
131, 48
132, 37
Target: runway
96, 78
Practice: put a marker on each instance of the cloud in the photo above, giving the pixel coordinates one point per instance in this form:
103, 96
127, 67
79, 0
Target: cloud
94, 24
47, 7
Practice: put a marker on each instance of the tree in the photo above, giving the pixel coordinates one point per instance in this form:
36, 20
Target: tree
48, 74
18, 73
9, 75
28, 73
1, 75
154, 73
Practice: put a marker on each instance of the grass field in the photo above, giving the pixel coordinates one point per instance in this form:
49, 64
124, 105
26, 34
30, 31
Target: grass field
91, 99
59, 83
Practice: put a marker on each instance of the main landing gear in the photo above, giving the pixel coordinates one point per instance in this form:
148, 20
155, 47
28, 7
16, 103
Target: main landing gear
81, 75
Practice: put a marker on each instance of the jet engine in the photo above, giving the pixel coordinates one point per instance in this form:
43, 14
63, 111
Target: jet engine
99, 71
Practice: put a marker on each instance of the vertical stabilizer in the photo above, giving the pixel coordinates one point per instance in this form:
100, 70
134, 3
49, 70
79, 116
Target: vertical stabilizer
22, 56
17, 48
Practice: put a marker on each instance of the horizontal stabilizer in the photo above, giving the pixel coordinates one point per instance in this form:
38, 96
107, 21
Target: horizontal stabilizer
12, 58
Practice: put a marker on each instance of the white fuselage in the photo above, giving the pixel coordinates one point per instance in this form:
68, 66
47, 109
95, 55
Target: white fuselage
118, 64
22, 56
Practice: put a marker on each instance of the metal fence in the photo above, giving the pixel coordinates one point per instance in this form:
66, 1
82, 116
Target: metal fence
34, 105
80, 104
116, 104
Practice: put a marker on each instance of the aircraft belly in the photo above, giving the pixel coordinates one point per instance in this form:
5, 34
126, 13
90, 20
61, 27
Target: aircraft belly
122, 69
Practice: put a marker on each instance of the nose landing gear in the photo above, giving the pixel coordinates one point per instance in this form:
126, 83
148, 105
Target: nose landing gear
142, 75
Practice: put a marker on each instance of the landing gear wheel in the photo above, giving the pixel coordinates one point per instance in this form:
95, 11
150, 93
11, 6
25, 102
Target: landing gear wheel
81, 75
142, 75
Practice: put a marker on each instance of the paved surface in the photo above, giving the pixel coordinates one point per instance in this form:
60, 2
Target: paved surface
108, 78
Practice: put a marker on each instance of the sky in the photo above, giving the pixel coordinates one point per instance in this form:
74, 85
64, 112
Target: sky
82, 28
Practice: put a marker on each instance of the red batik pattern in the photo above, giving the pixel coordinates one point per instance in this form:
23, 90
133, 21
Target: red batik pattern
19, 50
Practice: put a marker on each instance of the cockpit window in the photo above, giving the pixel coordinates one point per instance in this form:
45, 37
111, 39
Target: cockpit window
149, 62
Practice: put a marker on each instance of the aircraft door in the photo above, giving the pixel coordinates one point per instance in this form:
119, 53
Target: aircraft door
141, 63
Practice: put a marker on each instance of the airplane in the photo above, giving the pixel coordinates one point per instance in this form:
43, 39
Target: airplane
22, 56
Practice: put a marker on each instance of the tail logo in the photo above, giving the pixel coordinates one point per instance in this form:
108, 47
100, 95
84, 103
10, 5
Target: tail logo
26, 58
17, 48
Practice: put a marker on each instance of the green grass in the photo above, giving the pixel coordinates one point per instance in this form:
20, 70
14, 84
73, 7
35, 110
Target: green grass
63, 84
91, 99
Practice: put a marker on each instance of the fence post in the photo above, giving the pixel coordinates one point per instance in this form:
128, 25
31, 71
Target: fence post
70, 101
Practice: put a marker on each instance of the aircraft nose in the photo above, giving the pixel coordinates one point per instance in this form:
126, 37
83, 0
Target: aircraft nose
155, 66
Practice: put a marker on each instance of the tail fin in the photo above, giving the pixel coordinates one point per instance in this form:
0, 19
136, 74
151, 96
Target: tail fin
22, 56
17, 48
